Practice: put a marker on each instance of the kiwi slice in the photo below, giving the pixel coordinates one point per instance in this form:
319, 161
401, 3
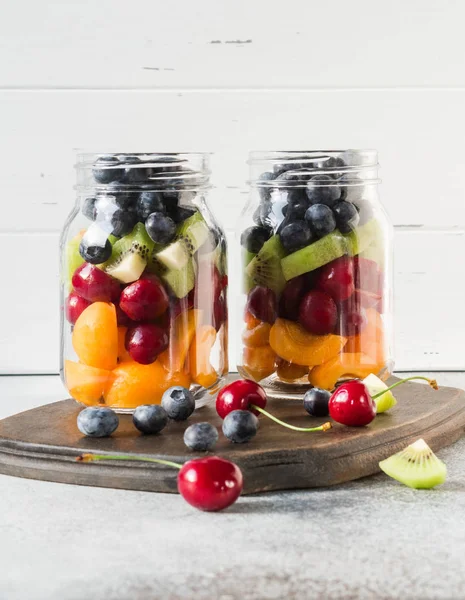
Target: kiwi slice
190, 236
374, 386
122, 264
265, 268
181, 281
332, 246
247, 258
362, 237
417, 466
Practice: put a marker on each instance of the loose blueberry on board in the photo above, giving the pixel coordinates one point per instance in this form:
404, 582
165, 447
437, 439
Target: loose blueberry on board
149, 202
253, 238
240, 426
347, 217
295, 235
240, 395
122, 222
88, 208
352, 405
107, 175
211, 483
316, 402
178, 402
96, 421
201, 437
161, 228
150, 418
94, 253
321, 219
321, 189
262, 304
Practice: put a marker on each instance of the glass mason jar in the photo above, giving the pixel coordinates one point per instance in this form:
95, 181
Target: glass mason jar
143, 281
316, 262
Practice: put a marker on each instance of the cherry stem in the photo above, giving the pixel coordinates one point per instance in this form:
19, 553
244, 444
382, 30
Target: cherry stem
323, 427
432, 383
97, 457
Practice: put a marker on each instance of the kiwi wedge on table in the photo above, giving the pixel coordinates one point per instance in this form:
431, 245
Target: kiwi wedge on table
130, 255
417, 466
265, 268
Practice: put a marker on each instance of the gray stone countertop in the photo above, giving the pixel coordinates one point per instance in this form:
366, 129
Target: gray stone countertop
372, 538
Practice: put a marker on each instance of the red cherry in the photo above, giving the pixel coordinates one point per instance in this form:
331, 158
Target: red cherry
224, 282
292, 295
95, 285
145, 299
352, 317
318, 313
145, 342
74, 306
368, 276
337, 278
211, 483
122, 318
220, 312
352, 405
262, 304
239, 395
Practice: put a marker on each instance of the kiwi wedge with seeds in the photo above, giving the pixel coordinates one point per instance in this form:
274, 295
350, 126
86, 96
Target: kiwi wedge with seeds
130, 255
265, 268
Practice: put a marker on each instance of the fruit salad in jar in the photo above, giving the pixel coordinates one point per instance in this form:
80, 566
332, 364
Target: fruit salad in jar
144, 282
315, 246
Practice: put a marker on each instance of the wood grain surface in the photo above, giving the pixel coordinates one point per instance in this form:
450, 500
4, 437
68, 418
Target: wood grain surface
43, 443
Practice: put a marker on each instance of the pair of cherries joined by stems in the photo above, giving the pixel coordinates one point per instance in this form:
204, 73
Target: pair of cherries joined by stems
213, 483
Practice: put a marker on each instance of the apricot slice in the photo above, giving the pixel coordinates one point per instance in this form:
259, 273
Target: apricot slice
87, 384
290, 372
345, 365
199, 356
123, 354
259, 363
181, 335
258, 336
294, 344
371, 341
250, 320
95, 336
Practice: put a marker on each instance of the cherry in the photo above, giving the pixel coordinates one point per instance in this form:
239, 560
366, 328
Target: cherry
352, 317
209, 484
318, 313
352, 405
95, 285
145, 342
262, 304
145, 299
292, 295
220, 312
337, 278
367, 275
74, 306
122, 318
239, 395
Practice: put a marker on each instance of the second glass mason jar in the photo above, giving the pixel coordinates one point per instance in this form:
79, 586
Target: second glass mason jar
316, 260
144, 281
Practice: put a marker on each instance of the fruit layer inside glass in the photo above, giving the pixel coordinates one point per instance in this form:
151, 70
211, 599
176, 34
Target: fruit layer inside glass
144, 282
316, 271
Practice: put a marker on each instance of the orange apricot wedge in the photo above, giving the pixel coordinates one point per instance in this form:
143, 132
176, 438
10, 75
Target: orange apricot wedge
87, 384
95, 336
259, 362
371, 340
294, 344
200, 367
345, 365
258, 336
250, 321
123, 354
290, 372
182, 333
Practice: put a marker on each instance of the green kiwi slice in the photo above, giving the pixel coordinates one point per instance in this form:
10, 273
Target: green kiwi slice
181, 281
417, 466
362, 237
130, 255
265, 268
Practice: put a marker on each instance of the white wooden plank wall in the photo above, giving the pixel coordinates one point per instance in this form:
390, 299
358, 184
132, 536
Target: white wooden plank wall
230, 76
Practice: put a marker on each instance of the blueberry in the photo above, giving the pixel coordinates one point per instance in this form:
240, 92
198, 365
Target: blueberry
240, 426
322, 189
119, 195
347, 216
148, 203
150, 418
201, 436
264, 191
107, 175
297, 195
321, 219
161, 228
295, 212
94, 253
316, 402
135, 174
165, 163
122, 222
295, 235
336, 163
171, 197
88, 208
179, 214
97, 422
253, 238
178, 402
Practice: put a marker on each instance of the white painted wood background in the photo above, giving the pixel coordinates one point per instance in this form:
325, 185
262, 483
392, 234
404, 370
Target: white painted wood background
229, 76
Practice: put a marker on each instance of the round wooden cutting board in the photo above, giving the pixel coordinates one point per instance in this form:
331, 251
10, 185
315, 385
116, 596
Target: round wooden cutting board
43, 443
